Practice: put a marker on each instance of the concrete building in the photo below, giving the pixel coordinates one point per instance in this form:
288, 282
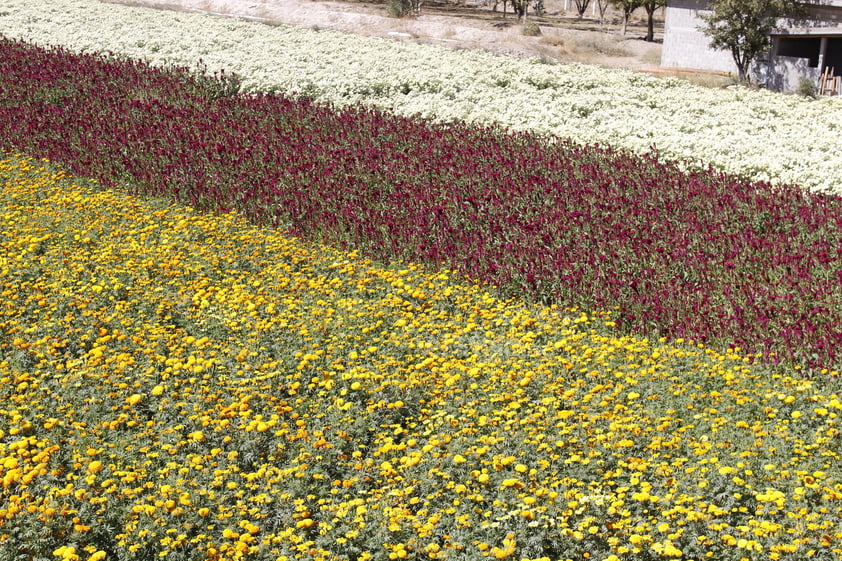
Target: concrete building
810, 49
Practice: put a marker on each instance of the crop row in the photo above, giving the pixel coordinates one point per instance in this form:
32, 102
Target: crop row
186, 386
689, 254
763, 135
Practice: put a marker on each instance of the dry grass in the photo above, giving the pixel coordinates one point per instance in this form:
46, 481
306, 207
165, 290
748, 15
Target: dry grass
554, 38
602, 44
652, 58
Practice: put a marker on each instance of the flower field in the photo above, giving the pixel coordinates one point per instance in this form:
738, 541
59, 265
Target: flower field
187, 386
762, 135
697, 255
284, 327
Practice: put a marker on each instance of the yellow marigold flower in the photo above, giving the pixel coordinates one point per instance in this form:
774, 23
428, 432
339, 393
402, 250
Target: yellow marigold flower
509, 545
68, 553
667, 549
507, 460
95, 466
637, 539
97, 556
134, 399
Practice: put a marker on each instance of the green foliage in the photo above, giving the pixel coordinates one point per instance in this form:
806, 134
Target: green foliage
403, 8
742, 27
530, 29
808, 88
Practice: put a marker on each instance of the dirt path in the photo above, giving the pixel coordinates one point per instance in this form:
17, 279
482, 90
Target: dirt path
467, 26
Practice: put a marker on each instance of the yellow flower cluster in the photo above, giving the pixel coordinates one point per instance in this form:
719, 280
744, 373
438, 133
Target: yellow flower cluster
183, 386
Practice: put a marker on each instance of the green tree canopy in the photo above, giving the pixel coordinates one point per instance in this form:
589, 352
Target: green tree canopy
742, 27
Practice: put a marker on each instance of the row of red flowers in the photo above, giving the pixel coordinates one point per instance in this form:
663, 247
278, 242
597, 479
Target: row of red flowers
695, 254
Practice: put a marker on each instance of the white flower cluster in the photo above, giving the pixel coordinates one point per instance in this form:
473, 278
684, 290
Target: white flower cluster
763, 135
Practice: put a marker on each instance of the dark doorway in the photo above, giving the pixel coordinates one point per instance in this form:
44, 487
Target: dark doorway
801, 47
833, 54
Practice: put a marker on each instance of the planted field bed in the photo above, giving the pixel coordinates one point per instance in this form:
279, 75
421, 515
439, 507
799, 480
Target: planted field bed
696, 255
187, 386
759, 134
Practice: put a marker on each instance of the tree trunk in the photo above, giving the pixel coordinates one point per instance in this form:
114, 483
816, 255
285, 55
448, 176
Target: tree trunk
650, 25
520, 7
581, 7
602, 5
742, 65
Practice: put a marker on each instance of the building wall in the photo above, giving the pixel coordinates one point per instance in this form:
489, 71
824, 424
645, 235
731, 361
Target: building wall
828, 15
785, 73
685, 46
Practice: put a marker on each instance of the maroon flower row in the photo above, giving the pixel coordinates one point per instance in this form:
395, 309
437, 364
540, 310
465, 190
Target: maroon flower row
700, 254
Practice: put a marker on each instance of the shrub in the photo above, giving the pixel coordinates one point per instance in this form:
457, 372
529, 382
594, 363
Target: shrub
530, 29
404, 8
808, 88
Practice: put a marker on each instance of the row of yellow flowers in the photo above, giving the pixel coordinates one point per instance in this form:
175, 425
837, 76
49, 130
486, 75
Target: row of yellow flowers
183, 386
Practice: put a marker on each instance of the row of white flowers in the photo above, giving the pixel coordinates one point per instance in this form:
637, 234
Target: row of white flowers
763, 135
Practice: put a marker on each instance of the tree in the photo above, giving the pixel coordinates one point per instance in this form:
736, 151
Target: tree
404, 8
627, 7
520, 7
601, 6
581, 6
494, 9
650, 6
742, 27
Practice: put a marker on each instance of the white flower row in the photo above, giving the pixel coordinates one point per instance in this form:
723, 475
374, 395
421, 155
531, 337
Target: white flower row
763, 135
